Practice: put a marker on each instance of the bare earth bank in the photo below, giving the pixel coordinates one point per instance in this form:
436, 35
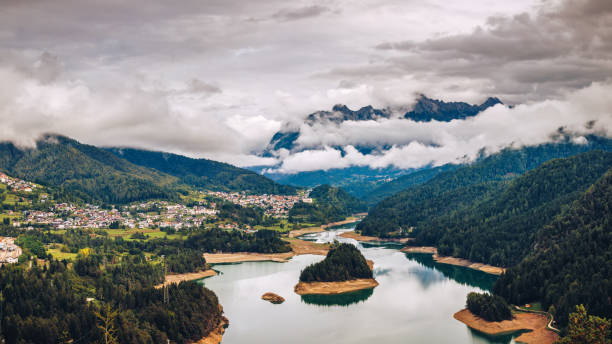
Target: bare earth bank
329, 288
534, 323
495, 270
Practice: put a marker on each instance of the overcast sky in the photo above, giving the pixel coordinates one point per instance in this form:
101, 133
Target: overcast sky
217, 78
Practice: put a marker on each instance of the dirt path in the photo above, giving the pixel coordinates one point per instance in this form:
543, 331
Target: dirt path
495, 270
534, 323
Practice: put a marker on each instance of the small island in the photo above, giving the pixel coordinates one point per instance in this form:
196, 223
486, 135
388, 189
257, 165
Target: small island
273, 298
343, 270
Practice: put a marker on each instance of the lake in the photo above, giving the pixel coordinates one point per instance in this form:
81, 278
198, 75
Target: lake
414, 303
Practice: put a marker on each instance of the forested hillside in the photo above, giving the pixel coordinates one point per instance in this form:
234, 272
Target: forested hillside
48, 304
203, 173
501, 228
329, 204
570, 264
400, 183
85, 171
97, 175
464, 185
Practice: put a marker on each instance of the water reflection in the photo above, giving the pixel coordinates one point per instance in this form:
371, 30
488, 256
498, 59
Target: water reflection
480, 337
472, 278
344, 299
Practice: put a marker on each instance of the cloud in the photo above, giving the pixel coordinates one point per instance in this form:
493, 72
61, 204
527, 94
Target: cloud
205, 79
561, 47
417, 144
300, 13
125, 115
199, 86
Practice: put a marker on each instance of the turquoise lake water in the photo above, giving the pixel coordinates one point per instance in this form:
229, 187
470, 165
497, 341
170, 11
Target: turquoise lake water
414, 303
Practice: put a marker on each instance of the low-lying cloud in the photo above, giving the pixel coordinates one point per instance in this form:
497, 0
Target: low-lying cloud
417, 144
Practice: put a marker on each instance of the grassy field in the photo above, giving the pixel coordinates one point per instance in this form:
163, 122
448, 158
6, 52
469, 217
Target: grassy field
57, 254
149, 233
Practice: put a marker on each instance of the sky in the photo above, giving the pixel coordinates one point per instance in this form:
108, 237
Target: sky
218, 78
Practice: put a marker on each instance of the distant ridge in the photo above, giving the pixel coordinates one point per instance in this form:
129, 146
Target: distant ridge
427, 109
202, 173
94, 174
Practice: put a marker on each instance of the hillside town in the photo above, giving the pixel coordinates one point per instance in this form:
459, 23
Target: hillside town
154, 214
273, 205
16, 184
151, 214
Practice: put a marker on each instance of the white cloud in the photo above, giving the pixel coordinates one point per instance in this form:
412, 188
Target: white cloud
417, 144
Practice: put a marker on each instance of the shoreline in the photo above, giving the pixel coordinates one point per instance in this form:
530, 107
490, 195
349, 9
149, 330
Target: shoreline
297, 232
216, 335
490, 269
536, 324
366, 238
298, 247
189, 276
331, 288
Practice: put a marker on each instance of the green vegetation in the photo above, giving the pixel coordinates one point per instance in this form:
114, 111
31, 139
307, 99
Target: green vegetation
400, 183
587, 329
496, 222
343, 262
94, 174
451, 190
329, 204
489, 307
263, 241
48, 304
570, 264
121, 176
203, 173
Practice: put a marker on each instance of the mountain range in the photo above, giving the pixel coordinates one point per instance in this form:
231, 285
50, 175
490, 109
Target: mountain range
361, 180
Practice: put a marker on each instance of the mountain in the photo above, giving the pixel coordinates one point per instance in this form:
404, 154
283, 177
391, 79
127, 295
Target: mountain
87, 172
500, 228
359, 180
427, 109
202, 173
570, 260
448, 190
329, 204
384, 190
93, 174
356, 180
424, 110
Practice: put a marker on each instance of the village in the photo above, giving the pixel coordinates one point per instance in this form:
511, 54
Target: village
16, 184
152, 214
274, 205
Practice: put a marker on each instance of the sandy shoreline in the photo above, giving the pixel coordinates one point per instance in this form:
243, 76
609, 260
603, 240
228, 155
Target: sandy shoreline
330, 288
178, 278
239, 257
298, 247
495, 270
534, 323
296, 233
